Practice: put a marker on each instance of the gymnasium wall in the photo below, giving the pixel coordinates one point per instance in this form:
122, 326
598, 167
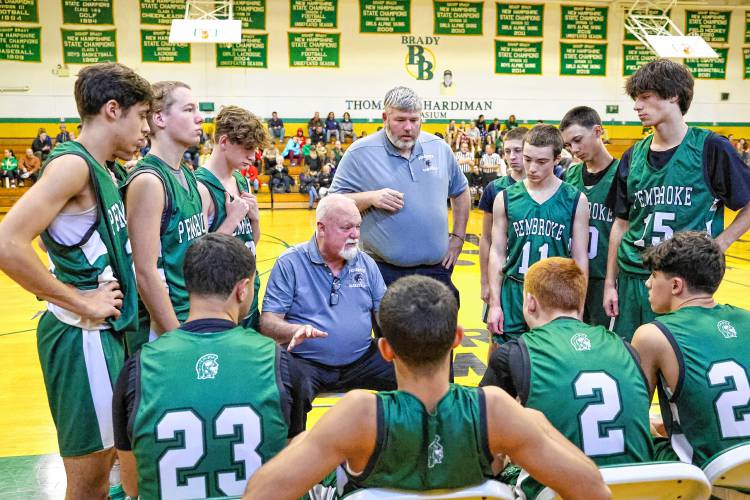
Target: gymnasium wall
369, 64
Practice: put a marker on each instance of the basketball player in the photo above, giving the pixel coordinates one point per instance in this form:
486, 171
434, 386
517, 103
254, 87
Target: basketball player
92, 299
184, 405
534, 219
696, 354
585, 379
678, 179
582, 131
429, 434
228, 205
164, 207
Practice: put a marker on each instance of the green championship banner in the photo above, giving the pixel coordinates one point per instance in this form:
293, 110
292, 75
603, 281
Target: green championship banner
385, 16
252, 13
251, 52
518, 58
458, 18
635, 56
161, 11
747, 26
583, 59
712, 25
709, 69
314, 50
19, 11
628, 36
20, 44
746, 63
520, 19
89, 46
584, 23
87, 12
155, 47
313, 13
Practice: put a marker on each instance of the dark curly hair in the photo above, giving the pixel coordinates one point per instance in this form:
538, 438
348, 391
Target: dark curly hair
690, 255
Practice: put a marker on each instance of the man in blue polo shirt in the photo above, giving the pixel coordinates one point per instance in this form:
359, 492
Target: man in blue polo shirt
400, 178
321, 300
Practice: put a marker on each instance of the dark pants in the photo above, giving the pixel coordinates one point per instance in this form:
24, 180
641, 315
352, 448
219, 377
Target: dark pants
391, 273
370, 371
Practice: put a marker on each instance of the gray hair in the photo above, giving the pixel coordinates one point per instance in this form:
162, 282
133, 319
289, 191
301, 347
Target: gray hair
330, 203
403, 99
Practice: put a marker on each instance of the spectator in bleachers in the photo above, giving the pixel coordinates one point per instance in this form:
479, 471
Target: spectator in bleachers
335, 154
465, 158
347, 128
495, 125
30, 166
63, 136
475, 137
308, 184
314, 122
269, 157
743, 148
475, 184
250, 173
313, 161
491, 165
511, 123
318, 135
325, 179
332, 128
9, 166
481, 124
292, 150
450, 132
280, 181
276, 127
42, 144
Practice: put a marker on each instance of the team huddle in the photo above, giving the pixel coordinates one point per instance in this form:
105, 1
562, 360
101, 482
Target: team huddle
598, 289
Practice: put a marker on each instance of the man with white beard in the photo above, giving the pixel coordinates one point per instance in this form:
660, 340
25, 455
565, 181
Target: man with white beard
331, 291
400, 178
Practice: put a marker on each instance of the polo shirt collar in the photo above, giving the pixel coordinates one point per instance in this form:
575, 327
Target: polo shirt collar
313, 253
391, 149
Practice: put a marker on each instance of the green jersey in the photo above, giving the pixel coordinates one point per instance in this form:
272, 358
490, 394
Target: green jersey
243, 231
182, 222
588, 383
673, 198
103, 255
709, 410
537, 231
600, 217
204, 426
420, 450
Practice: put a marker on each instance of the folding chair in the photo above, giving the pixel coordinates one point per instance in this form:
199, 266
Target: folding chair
490, 490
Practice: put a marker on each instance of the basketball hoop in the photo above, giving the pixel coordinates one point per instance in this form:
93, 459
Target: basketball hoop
207, 21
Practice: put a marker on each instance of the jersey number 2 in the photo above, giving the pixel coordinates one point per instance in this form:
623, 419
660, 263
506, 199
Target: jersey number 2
730, 374
605, 409
238, 422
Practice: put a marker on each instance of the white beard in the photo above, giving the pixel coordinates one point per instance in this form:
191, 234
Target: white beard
348, 253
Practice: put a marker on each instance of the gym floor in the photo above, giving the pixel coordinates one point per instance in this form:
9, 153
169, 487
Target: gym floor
29, 464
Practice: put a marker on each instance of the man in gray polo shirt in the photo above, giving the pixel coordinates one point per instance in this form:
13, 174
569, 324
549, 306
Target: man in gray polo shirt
400, 179
321, 300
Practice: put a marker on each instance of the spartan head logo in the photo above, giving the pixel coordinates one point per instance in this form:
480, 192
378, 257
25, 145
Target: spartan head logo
434, 453
726, 329
207, 366
580, 342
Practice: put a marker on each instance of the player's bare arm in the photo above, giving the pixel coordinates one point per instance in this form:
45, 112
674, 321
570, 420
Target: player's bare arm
532, 443
611, 305
65, 186
579, 248
657, 356
346, 433
461, 205
485, 242
145, 204
739, 226
497, 257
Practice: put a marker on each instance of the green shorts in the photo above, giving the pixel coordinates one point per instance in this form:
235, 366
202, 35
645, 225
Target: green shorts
80, 368
593, 310
511, 300
635, 310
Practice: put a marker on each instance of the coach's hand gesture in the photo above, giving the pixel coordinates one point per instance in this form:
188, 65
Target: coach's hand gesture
302, 333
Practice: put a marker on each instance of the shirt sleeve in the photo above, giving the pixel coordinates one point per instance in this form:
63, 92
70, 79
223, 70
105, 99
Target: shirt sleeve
345, 179
457, 183
123, 401
508, 369
726, 173
280, 288
617, 198
487, 199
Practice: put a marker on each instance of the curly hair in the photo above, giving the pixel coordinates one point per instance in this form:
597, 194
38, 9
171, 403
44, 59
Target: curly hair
690, 255
241, 127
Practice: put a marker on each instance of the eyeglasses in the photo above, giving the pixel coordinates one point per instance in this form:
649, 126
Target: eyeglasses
335, 286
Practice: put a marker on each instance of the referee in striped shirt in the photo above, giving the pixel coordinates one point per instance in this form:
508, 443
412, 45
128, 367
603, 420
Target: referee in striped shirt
465, 158
491, 165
